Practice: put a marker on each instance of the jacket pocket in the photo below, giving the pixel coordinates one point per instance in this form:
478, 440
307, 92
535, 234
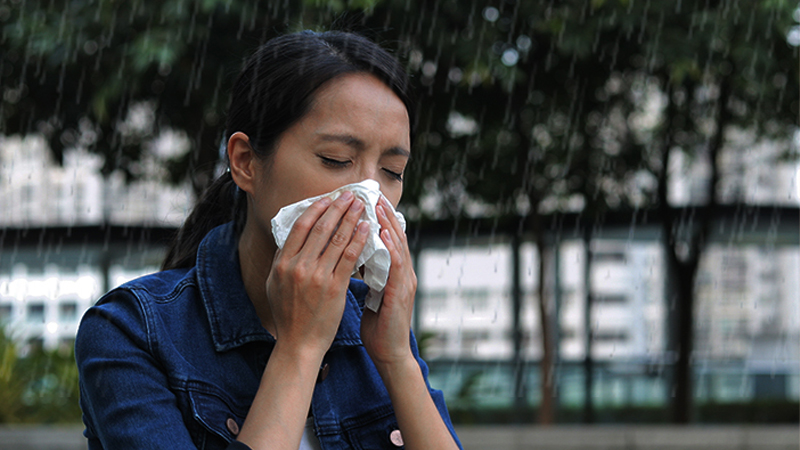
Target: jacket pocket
377, 430
216, 413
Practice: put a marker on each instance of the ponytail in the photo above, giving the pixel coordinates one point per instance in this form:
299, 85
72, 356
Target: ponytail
220, 203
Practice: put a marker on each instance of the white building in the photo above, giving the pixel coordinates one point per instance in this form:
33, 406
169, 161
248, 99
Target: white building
34, 191
42, 302
466, 302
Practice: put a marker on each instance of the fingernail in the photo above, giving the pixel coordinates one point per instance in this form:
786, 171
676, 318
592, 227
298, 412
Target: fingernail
363, 228
381, 211
347, 195
387, 236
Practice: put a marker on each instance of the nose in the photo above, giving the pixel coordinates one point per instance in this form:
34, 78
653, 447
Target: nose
370, 172
371, 175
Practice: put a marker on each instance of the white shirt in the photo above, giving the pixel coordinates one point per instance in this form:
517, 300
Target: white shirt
309, 440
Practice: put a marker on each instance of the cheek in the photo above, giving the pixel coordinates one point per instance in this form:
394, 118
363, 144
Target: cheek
393, 195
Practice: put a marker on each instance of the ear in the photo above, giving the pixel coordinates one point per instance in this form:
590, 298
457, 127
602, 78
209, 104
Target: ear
242, 159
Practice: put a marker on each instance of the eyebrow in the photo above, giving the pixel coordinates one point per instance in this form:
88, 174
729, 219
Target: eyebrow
359, 145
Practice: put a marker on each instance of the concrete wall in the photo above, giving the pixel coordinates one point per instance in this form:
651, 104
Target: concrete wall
515, 438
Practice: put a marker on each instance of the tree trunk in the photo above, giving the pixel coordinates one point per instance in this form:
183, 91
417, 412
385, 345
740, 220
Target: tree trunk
547, 413
683, 334
588, 361
520, 385
684, 262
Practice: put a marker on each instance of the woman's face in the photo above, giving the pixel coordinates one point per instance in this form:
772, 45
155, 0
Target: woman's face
356, 129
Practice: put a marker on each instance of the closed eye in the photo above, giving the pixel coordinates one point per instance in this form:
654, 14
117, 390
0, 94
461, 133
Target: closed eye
334, 162
395, 175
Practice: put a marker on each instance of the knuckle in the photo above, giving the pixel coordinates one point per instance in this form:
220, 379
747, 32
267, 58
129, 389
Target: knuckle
302, 224
298, 274
279, 268
319, 227
351, 253
339, 240
317, 279
341, 204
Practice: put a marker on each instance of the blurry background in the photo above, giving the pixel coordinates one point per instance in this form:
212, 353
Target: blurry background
604, 199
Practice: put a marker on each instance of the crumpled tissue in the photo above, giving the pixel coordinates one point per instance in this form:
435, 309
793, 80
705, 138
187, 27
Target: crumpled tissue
375, 257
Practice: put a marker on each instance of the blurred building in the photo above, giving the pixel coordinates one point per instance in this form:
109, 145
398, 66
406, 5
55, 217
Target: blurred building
43, 293
466, 301
35, 191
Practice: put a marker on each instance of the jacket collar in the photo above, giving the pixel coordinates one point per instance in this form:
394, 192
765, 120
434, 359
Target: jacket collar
232, 316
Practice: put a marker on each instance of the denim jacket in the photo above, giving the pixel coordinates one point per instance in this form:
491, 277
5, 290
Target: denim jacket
174, 359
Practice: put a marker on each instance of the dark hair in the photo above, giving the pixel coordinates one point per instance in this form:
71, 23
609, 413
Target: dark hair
274, 90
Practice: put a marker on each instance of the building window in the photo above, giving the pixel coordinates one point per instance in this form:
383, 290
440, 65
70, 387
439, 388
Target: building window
611, 299
610, 336
609, 257
476, 299
68, 311
471, 338
36, 312
5, 313
435, 300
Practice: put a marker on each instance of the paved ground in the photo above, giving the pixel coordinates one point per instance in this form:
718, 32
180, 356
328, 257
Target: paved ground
517, 438
631, 438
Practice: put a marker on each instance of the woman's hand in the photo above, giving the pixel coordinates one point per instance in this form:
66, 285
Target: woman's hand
386, 333
307, 284
386, 337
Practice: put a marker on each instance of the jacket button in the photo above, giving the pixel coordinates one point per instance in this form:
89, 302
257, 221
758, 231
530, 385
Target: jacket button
396, 437
323, 373
233, 427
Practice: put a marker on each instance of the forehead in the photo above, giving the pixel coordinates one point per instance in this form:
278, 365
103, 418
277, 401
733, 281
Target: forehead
359, 98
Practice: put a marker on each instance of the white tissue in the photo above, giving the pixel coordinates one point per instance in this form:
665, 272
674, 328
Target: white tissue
375, 257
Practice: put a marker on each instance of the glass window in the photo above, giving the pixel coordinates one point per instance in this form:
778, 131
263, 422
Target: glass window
68, 311
5, 312
35, 313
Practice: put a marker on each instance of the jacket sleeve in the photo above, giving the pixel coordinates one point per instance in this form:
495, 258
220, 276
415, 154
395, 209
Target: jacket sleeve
436, 395
125, 396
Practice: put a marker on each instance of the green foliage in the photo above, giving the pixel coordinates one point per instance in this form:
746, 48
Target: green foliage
556, 90
40, 387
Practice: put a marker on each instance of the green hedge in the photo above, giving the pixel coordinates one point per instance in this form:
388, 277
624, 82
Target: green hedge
40, 386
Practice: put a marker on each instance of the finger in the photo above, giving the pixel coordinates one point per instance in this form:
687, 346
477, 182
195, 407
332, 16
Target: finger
347, 262
322, 230
396, 242
332, 253
303, 225
390, 223
391, 218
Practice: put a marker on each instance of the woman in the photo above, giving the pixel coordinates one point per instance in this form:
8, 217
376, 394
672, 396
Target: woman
239, 344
